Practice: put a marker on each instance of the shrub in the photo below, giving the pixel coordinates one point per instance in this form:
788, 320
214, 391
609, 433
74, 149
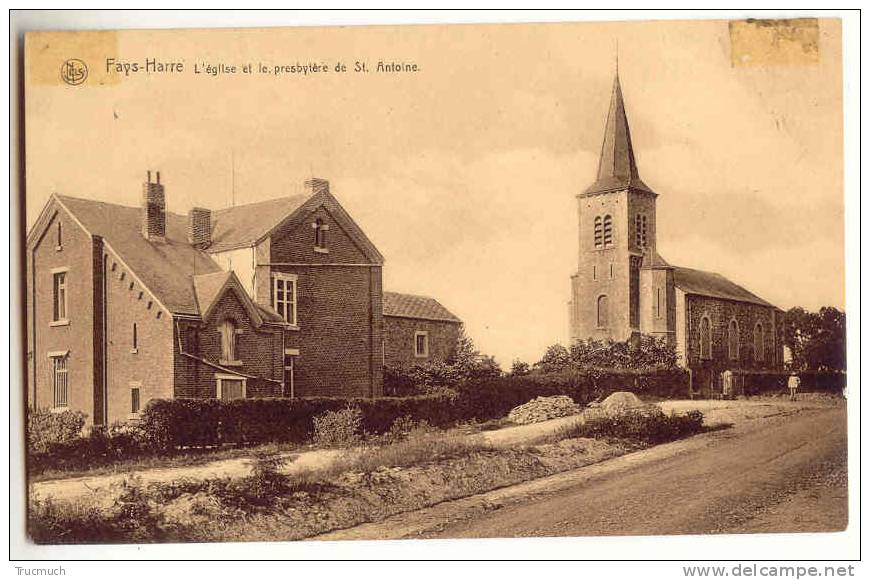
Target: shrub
433, 375
405, 427
45, 428
338, 428
417, 450
648, 426
131, 517
100, 447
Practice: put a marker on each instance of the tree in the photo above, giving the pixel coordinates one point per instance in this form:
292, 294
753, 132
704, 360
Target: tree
817, 340
519, 368
469, 363
646, 353
555, 359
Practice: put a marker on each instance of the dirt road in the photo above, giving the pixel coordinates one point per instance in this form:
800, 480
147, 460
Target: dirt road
779, 473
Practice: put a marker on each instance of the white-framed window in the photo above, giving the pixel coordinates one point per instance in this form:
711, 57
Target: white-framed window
284, 295
229, 342
231, 387
60, 379
421, 344
706, 338
59, 294
135, 398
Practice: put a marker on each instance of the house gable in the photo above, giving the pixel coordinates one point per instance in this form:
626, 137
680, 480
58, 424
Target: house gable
211, 289
47, 218
292, 241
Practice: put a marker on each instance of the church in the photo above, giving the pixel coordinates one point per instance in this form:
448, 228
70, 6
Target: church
624, 288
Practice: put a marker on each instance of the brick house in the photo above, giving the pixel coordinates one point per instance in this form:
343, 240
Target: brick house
623, 287
419, 328
269, 299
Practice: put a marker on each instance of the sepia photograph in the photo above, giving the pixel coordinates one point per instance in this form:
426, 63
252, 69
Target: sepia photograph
455, 281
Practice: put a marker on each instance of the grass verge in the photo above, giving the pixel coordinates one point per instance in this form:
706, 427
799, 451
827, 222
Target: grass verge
364, 486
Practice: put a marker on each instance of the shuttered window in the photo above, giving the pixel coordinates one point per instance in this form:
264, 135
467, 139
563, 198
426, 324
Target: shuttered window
599, 232
608, 231
229, 336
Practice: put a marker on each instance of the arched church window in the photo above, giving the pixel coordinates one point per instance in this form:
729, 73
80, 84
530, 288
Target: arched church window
706, 338
733, 340
603, 311
608, 231
758, 342
599, 232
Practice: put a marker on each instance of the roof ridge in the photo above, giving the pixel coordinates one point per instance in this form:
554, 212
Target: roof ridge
410, 294
270, 200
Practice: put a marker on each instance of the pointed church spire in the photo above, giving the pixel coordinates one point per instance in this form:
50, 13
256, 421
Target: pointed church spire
617, 168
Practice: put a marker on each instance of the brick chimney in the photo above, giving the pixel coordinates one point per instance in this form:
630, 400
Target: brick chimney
199, 227
153, 210
316, 185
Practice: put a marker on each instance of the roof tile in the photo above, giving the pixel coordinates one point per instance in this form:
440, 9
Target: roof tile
413, 306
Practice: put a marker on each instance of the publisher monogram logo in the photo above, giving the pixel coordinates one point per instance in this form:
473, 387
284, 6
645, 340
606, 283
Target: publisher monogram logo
74, 71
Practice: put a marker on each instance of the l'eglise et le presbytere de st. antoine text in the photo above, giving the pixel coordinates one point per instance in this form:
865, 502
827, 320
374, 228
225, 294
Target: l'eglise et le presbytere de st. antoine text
151, 66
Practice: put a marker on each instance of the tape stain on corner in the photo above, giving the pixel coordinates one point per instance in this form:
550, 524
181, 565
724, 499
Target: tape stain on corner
74, 59
774, 42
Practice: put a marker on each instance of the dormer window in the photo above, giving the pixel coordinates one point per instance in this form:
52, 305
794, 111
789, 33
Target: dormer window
320, 228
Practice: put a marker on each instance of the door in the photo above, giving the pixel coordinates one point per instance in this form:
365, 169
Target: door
232, 389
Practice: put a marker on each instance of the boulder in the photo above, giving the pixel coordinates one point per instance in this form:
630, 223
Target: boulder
621, 401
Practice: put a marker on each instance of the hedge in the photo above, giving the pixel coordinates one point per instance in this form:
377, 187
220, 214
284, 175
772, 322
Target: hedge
766, 382
496, 397
169, 425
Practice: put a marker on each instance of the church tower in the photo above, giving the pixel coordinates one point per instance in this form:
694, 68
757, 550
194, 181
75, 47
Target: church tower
617, 238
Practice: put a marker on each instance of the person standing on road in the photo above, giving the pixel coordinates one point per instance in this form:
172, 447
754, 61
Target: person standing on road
794, 382
727, 384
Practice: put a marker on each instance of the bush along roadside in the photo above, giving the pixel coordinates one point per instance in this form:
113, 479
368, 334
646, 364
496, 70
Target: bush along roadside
421, 468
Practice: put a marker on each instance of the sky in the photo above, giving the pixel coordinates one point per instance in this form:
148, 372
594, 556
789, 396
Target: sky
464, 173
